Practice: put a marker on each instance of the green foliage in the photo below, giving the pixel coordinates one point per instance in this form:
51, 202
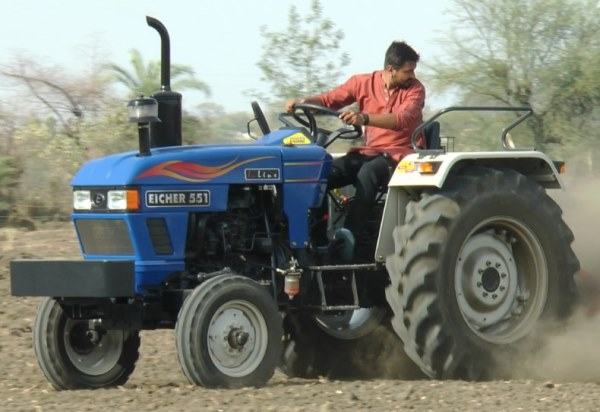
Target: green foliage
9, 174
543, 53
145, 77
305, 59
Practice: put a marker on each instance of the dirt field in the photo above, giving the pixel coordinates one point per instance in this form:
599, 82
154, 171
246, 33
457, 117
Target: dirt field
563, 376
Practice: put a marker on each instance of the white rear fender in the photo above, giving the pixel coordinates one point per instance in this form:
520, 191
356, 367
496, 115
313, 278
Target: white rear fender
420, 171
431, 170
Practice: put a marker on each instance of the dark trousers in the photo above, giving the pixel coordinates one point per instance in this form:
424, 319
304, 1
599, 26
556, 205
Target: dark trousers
368, 174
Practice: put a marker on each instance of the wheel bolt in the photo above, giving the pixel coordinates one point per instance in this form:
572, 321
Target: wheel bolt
488, 263
480, 271
503, 275
478, 284
497, 265
502, 288
494, 296
485, 294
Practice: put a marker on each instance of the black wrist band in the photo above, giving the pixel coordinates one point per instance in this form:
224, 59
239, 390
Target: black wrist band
365, 119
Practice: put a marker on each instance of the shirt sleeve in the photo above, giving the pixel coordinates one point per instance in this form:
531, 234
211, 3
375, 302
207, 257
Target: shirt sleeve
410, 112
341, 96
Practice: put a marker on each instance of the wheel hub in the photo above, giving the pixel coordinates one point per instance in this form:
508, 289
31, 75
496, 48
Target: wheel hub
237, 338
90, 351
490, 279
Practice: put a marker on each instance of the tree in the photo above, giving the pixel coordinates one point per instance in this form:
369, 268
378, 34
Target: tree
145, 77
305, 58
56, 94
543, 53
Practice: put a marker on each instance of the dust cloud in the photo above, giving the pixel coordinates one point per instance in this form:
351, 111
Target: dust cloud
571, 352
558, 352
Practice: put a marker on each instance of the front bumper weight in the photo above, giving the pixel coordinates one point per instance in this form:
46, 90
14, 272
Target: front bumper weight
72, 278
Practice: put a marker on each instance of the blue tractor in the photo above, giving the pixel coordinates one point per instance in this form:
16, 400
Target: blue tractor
240, 250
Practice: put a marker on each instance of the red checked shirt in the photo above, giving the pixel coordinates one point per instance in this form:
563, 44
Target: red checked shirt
369, 92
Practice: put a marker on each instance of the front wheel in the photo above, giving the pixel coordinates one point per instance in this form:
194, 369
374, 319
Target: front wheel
73, 356
229, 333
477, 266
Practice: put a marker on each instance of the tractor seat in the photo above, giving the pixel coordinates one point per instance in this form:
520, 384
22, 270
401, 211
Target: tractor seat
432, 136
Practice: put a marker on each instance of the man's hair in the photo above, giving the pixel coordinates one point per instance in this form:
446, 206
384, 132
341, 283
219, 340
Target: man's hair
399, 53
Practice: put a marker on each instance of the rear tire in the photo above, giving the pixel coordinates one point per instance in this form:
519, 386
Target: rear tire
477, 266
70, 359
229, 333
319, 346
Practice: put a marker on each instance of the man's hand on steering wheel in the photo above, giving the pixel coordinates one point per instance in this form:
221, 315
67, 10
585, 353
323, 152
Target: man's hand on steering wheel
354, 118
348, 117
289, 105
304, 113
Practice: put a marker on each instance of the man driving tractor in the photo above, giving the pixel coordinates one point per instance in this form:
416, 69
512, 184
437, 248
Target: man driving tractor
390, 108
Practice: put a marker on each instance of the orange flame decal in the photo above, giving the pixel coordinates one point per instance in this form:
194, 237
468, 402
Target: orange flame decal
194, 172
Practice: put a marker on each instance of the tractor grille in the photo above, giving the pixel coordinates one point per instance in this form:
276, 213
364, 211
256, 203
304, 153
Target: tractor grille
104, 237
159, 235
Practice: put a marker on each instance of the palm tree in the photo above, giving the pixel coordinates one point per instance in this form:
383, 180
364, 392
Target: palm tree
145, 77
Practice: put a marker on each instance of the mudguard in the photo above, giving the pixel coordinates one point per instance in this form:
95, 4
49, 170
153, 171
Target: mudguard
426, 169
411, 172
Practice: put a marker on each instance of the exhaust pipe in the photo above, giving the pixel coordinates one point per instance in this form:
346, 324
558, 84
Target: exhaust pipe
168, 131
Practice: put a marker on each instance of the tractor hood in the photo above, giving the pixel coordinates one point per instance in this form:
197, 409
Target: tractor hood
172, 165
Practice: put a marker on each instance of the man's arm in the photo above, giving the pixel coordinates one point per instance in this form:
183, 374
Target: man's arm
341, 96
289, 105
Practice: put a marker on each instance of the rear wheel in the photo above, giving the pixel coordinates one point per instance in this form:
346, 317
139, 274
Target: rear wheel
330, 344
73, 356
229, 333
477, 266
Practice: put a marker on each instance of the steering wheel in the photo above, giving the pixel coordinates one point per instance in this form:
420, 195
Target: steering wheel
320, 136
260, 118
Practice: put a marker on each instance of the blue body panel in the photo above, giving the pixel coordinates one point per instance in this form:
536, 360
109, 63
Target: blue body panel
301, 175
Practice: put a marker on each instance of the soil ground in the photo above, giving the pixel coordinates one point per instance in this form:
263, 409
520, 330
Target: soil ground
563, 377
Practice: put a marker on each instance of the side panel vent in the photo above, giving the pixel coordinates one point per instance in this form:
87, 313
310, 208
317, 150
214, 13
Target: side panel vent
159, 235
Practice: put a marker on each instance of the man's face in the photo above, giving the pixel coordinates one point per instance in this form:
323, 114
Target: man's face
402, 77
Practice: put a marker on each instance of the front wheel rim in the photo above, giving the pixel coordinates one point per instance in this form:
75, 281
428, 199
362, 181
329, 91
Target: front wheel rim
237, 338
92, 352
501, 280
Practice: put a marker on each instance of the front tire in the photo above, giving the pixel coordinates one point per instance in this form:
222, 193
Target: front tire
477, 266
73, 357
229, 333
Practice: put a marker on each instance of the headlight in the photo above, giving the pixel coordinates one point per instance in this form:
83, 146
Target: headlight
82, 200
123, 200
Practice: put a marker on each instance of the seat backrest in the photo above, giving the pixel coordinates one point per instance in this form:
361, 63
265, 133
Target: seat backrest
432, 136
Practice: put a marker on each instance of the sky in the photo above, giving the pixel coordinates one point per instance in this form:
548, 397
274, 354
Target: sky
220, 40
